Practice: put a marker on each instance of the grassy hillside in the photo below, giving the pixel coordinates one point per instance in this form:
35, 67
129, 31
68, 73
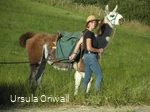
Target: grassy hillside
125, 63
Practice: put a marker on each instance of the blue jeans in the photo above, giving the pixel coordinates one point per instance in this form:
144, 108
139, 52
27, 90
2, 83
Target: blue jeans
92, 65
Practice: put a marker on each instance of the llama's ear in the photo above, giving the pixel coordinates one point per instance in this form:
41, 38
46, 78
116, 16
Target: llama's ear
115, 9
106, 10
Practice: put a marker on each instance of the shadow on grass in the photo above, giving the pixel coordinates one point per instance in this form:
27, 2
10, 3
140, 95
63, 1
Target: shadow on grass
9, 91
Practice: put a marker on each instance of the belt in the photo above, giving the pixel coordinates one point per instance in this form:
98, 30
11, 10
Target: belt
89, 52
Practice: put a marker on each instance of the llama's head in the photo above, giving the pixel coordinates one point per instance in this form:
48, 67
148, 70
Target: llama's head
113, 17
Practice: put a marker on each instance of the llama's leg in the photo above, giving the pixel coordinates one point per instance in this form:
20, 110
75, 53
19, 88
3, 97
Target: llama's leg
41, 70
39, 81
47, 54
32, 79
78, 78
40, 73
89, 84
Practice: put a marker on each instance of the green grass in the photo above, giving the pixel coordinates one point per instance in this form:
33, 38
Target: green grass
125, 63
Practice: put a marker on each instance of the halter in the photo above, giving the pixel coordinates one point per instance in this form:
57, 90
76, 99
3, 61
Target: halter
112, 20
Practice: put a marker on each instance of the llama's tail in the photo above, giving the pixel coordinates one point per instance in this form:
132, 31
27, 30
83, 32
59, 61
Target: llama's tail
24, 37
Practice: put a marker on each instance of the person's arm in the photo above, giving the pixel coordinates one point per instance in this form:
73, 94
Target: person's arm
76, 49
90, 48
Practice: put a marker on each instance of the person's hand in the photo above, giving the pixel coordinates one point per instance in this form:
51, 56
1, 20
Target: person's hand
100, 50
72, 56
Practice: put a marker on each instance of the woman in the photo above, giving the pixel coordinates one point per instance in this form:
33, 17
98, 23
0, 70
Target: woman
90, 53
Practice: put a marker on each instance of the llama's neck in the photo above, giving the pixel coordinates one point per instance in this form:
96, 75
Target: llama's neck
104, 37
106, 30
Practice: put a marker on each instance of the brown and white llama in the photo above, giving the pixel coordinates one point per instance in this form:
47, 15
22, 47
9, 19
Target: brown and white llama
42, 46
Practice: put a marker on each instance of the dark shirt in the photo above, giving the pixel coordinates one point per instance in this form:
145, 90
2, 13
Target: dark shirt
88, 34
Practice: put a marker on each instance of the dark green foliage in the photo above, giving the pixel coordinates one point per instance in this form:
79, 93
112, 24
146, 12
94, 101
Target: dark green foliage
86, 1
131, 9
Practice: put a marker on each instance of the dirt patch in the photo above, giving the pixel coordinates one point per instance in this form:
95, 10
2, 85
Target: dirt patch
81, 109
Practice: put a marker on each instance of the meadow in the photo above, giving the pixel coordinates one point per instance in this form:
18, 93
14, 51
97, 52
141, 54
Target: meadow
125, 63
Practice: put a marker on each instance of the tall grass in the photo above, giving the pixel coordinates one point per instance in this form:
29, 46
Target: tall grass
125, 63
